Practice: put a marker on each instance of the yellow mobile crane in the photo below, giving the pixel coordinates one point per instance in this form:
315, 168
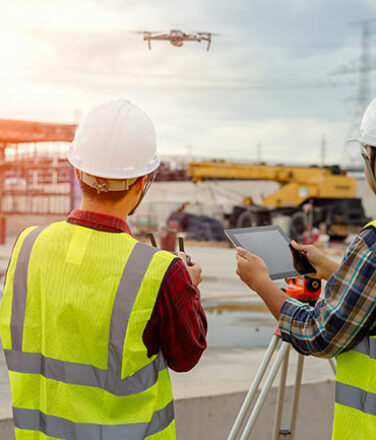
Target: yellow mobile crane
330, 190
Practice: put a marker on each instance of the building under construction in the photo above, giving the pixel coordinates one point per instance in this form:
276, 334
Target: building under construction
35, 177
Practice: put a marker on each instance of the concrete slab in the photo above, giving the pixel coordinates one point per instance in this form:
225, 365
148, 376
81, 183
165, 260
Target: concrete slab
211, 418
232, 370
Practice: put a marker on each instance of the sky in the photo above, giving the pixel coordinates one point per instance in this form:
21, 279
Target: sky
267, 89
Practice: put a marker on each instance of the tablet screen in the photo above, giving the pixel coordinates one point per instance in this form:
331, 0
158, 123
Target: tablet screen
272, 245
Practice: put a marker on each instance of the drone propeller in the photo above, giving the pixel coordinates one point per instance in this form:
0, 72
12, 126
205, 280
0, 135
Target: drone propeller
147, 32
212, 34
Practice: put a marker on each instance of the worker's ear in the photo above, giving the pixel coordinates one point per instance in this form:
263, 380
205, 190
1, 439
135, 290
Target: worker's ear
138, 186
76, 172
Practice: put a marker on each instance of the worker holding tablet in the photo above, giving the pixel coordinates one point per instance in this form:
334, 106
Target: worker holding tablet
343, 323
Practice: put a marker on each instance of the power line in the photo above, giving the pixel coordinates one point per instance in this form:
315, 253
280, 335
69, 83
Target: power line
364, 67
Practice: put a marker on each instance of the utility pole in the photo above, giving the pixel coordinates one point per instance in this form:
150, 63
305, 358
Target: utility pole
366, 65
323, 151
363, 68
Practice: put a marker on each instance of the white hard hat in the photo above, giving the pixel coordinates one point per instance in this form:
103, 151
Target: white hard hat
115, 141
367, 131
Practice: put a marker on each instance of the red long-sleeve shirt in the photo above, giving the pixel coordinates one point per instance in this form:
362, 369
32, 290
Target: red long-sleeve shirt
178, 323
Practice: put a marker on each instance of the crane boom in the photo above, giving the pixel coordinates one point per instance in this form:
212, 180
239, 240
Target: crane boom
298, 184
204, 170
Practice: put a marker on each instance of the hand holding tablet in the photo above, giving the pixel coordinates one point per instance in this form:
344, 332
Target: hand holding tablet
273, 246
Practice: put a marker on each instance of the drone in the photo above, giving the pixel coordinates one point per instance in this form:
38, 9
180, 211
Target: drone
177, 37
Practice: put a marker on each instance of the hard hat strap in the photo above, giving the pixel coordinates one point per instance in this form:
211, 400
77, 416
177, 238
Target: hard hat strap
149, 180
368, 165
105, 185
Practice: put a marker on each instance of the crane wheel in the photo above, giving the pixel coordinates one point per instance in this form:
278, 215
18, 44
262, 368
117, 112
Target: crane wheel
245, 220
297, 226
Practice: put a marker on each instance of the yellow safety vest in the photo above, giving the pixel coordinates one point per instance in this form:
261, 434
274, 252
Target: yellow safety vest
355, 404
75, 306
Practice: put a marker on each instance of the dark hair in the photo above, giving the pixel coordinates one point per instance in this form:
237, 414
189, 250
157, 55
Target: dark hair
110, 196
372, 159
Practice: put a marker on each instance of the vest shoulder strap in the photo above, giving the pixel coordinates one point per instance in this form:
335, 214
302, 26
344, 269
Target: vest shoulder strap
370, 224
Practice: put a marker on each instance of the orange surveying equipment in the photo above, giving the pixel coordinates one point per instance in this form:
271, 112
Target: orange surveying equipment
305, 289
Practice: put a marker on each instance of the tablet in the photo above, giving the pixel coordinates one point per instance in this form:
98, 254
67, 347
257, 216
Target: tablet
273, 246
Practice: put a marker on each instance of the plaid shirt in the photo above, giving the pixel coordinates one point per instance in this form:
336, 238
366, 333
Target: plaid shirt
346, 314
178, 323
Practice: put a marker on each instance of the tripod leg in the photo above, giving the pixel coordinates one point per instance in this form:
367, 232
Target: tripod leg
298, 384
253, 389
333, 364
264, 392
280, 397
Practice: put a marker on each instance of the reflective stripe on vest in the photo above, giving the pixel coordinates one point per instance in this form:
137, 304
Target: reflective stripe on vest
356, 398
20, 285
355, 404
62, 428
82, 374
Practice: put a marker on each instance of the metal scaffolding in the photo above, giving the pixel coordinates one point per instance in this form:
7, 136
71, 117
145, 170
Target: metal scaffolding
35, 176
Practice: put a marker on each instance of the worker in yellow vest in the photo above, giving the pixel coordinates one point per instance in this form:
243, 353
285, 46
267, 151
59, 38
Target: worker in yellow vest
343, 323
90, 318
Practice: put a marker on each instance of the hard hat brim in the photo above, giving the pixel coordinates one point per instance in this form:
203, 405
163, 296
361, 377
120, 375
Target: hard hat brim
354, 139
364, 139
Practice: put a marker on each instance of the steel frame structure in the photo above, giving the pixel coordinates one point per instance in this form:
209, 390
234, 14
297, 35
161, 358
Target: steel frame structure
33, 181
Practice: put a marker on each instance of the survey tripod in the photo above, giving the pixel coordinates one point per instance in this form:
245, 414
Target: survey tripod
305, 289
